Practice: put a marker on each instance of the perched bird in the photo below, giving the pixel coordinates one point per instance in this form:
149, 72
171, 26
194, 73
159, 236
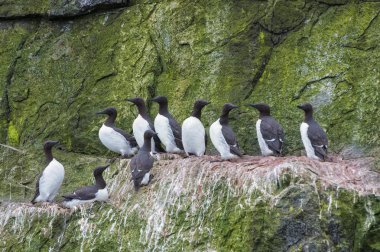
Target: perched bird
142, 123
194, 136
142, 163
49, 182
116, 139
222, 136
167, 128
269, 132
97, 192
313, 136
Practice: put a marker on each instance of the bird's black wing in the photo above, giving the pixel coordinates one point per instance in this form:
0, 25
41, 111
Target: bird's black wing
206, 139
272, 133
83, 193
131, 139
141, 164
37, 188
177, 131
230, 138
318, 139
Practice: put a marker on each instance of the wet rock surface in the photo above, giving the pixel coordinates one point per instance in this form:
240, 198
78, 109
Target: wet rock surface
261, 204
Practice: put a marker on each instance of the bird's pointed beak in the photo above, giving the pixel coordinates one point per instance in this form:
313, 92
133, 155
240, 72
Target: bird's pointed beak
251, 105
55, 142
130, 100
300, 106
100, 112
153, 99
235, 107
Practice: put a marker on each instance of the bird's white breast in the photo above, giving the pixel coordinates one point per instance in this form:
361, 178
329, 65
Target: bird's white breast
114, 141
219, 142
102, 195
140, 125
165, 133
193, 136
265, 151
306, 141
50, 181
145, 180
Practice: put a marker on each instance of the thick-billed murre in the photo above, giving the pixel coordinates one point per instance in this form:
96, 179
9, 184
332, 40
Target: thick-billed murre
114, 138
270, 134
223, 137
49, 182
194, 137
142, 163
86, 194
313, 136
167, 128
142, 123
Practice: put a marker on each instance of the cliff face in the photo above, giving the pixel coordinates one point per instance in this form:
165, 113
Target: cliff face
61, 61
259, 204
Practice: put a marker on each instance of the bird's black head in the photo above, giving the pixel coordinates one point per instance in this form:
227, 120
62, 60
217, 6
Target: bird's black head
199, 104
49, 144
108, 111
306, 107
227, 107
138, 101
149, 134
263, 108
99, 170
160, 100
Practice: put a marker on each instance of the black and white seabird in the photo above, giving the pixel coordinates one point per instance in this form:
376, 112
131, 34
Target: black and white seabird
222, 136
49, 182
167, 128
142, 163
114, 138
86, 194
313, 136
142, 123
269, 132
194, 136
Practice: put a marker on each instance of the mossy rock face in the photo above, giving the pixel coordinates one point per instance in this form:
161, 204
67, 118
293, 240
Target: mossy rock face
58, 67
54, 8
57, 74
207, 208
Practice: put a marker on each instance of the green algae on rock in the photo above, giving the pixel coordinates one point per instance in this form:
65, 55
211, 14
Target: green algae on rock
58, 72
270, 204
61, 61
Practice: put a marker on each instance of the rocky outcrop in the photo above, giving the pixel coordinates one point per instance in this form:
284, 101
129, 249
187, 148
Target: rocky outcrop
256, 204
61, 61
56, 73
54, 9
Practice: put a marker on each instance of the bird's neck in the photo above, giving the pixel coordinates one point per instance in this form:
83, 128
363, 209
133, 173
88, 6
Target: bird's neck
143, 111
110, 120
48, 155
100, 182
163, 109
264, 114
197, 112
147, 146
309, 116
224, 118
